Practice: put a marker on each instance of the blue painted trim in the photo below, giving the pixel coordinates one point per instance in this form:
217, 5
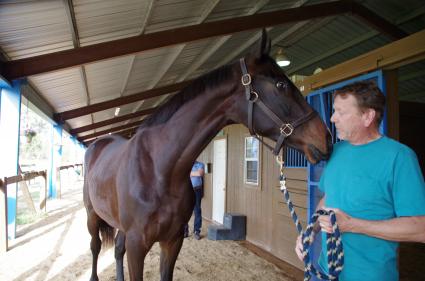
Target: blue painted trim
10, 100
55, 159
4, 83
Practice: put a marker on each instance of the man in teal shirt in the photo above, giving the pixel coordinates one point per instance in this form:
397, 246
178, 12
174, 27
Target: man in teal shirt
374, 185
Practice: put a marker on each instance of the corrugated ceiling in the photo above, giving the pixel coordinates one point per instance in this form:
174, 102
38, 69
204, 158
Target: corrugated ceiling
32, 28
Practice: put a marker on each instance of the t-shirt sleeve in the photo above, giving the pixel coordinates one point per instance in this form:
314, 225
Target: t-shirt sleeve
408, 185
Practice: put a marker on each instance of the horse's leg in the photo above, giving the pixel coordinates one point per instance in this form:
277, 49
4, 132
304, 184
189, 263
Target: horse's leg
169, 252
119, 255
93, 222
137, 248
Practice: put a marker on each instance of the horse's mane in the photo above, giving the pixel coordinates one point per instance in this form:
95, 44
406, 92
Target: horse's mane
197, 87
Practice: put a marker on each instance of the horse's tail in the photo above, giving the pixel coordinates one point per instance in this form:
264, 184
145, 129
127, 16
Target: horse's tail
107, 233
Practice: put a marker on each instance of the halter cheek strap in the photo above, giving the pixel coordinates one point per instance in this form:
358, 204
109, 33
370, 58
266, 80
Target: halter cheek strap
286, 129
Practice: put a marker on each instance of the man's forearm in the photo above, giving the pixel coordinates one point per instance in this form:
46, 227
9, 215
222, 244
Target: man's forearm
196, 174
403, 229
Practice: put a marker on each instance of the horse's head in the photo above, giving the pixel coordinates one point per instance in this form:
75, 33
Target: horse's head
274, 107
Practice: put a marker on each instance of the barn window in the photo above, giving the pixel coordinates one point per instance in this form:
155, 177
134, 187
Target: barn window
251, 160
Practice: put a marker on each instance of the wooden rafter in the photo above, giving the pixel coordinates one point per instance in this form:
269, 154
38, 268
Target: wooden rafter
125, 133
87, 54
394, 55
112, 121
354, 42
377, 22
61, 117
111, 130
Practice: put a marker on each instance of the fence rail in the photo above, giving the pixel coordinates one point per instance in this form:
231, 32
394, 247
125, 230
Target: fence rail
22, 177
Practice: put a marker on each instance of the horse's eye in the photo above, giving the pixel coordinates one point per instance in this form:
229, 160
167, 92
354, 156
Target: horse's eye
280, 84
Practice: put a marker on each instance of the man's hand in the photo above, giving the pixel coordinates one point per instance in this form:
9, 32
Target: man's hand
299, 248
342, 219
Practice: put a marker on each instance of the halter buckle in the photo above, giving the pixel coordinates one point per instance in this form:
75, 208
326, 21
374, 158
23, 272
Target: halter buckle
286, 129
246, 79
280, 162
253, 97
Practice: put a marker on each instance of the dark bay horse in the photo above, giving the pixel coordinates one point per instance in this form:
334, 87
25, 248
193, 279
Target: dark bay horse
141, 187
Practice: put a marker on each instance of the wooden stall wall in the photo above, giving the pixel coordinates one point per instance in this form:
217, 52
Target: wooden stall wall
269, 225
412, 120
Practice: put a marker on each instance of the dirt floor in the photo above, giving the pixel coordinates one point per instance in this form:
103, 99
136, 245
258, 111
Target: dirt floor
57, 248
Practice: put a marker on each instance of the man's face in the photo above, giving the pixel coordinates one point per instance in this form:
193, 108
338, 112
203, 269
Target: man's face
347, 118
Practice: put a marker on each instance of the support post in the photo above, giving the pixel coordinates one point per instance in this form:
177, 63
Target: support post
56, 157
10, 108
3, 217
393, 112
43, 193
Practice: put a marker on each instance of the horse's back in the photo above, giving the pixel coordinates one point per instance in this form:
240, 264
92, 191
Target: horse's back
101, 149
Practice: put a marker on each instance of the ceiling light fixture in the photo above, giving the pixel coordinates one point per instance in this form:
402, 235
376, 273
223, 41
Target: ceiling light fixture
317, 70
117, 111
281, 59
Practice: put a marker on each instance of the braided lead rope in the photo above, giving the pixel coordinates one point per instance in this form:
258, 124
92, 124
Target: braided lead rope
335, 252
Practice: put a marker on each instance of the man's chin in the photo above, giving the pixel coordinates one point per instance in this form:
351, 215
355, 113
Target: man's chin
340, 136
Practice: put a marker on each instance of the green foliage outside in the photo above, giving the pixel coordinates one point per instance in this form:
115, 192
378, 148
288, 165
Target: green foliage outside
35, 135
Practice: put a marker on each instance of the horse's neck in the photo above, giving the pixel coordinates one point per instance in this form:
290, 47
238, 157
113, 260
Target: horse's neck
195, 124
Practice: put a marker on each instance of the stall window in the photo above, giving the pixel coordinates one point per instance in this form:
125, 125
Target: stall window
251, 160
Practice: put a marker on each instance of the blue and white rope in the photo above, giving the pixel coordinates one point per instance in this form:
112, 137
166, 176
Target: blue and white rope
335, 251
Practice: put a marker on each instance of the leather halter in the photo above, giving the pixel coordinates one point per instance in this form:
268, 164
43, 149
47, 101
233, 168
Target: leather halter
286, 129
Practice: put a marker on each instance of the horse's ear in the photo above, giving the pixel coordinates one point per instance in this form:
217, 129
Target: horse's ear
264, 45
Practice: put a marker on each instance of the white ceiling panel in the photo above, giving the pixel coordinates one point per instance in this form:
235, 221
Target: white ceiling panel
168, 14
80, 121
32, 28
64, 89
106, 79
106, 20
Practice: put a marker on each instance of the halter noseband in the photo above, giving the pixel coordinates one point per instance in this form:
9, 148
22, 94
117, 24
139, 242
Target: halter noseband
286, 129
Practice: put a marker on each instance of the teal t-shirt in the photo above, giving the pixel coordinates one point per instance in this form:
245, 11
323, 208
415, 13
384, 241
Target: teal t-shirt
379, 180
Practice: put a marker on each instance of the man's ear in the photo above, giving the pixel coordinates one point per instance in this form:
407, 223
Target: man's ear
369, 117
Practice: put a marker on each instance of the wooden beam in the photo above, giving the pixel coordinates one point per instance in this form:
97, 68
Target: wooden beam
111, 130
377, 22
61, 117
125, 133
112, 121
396, 54
87, 54
354, 42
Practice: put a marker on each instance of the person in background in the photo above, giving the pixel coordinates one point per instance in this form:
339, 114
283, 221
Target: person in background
375, 186
197, 179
